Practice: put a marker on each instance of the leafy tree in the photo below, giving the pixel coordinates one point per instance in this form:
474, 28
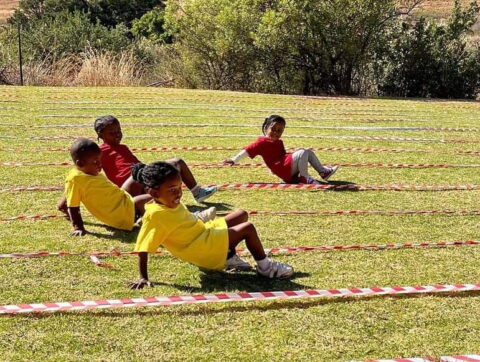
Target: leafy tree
151, 26
109, 13
430, 59
214, 40
52, 38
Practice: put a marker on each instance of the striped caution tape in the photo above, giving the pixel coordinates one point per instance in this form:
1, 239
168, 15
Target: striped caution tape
277, 250
32, 188
278, 186
352, 138
253, 165
231, 148
299, 213
353, 165
237, 125
456, 358
236, 297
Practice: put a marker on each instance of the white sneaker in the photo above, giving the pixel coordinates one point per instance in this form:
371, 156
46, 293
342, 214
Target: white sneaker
238, 264
204, 193
276, 270
329, 172
207, 214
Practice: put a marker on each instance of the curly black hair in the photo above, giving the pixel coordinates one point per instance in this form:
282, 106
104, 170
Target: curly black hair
154, 174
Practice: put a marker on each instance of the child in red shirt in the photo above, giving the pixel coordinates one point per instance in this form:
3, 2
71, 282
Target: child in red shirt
117, 160
290, 167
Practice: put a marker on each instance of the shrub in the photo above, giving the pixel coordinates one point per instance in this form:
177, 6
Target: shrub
431, 59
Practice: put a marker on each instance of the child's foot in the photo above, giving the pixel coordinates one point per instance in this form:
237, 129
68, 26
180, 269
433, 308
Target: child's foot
204, 193
238, 264
329, 171
276, 270
206, 215
311, 181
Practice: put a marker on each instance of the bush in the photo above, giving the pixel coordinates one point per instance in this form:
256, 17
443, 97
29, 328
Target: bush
430, 59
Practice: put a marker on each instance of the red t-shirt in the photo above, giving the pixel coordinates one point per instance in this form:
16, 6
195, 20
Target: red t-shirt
116, 162
274, 154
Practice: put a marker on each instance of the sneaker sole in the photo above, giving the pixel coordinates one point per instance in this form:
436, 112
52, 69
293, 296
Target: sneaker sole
202, 199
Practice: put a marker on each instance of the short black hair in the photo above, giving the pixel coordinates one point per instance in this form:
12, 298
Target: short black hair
154, 174
104, 121
271, 120
82, 147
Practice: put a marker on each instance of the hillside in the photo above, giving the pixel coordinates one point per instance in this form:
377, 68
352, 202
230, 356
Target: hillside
6, 9
438, 8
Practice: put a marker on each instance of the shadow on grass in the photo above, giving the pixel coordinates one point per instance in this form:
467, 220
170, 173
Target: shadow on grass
114, 234
349, 186
272, 305
220, 206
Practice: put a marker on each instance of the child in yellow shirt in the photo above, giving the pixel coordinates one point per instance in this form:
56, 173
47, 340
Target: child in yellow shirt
104, 200
209, 245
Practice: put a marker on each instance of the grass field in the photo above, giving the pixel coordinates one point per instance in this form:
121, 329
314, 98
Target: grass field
337, 329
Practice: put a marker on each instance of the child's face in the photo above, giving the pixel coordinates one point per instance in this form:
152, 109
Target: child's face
111, 134
275, 130
169, 193
91, 163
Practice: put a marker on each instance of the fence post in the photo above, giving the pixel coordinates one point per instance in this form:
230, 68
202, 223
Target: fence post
20, 58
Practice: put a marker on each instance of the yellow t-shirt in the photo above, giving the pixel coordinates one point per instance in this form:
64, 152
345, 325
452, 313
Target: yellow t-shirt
108, 203
189, 239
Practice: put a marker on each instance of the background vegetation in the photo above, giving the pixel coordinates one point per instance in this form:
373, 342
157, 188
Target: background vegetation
310, 47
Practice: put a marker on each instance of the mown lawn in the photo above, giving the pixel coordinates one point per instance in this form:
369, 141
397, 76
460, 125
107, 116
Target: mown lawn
336, 329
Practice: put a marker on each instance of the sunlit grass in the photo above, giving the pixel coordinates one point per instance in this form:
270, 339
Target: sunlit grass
385, 327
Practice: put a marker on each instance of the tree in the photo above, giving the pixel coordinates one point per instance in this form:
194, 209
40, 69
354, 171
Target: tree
431, 59
214, 40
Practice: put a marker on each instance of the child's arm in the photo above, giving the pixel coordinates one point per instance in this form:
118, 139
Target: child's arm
236, 158
143, 269
77, 221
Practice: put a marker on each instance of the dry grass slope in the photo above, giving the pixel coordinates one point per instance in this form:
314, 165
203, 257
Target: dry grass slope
6, 9
439, 8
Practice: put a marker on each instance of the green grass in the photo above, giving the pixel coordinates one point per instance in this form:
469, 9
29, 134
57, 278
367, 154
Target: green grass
359, 328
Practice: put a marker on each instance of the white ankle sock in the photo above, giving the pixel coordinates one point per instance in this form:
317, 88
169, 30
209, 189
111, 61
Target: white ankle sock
264, 263
195, 190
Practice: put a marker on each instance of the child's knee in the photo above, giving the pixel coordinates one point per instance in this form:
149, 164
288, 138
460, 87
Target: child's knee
243, 215
177, 162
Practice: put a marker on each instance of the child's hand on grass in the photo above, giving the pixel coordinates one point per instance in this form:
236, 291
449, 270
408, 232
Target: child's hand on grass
228, 162
78, 232
139, 284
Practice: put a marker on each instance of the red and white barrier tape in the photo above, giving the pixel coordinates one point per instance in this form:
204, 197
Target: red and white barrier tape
236, 297
238, 125
32, 188
456, 358
231, 148
278, 186
353, 138
298, 213
277, 250
354, 165
250, 165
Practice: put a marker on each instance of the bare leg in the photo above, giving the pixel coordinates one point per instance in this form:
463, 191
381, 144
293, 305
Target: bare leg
140, 202
132, 187
185, 173
236, 217
246, 231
